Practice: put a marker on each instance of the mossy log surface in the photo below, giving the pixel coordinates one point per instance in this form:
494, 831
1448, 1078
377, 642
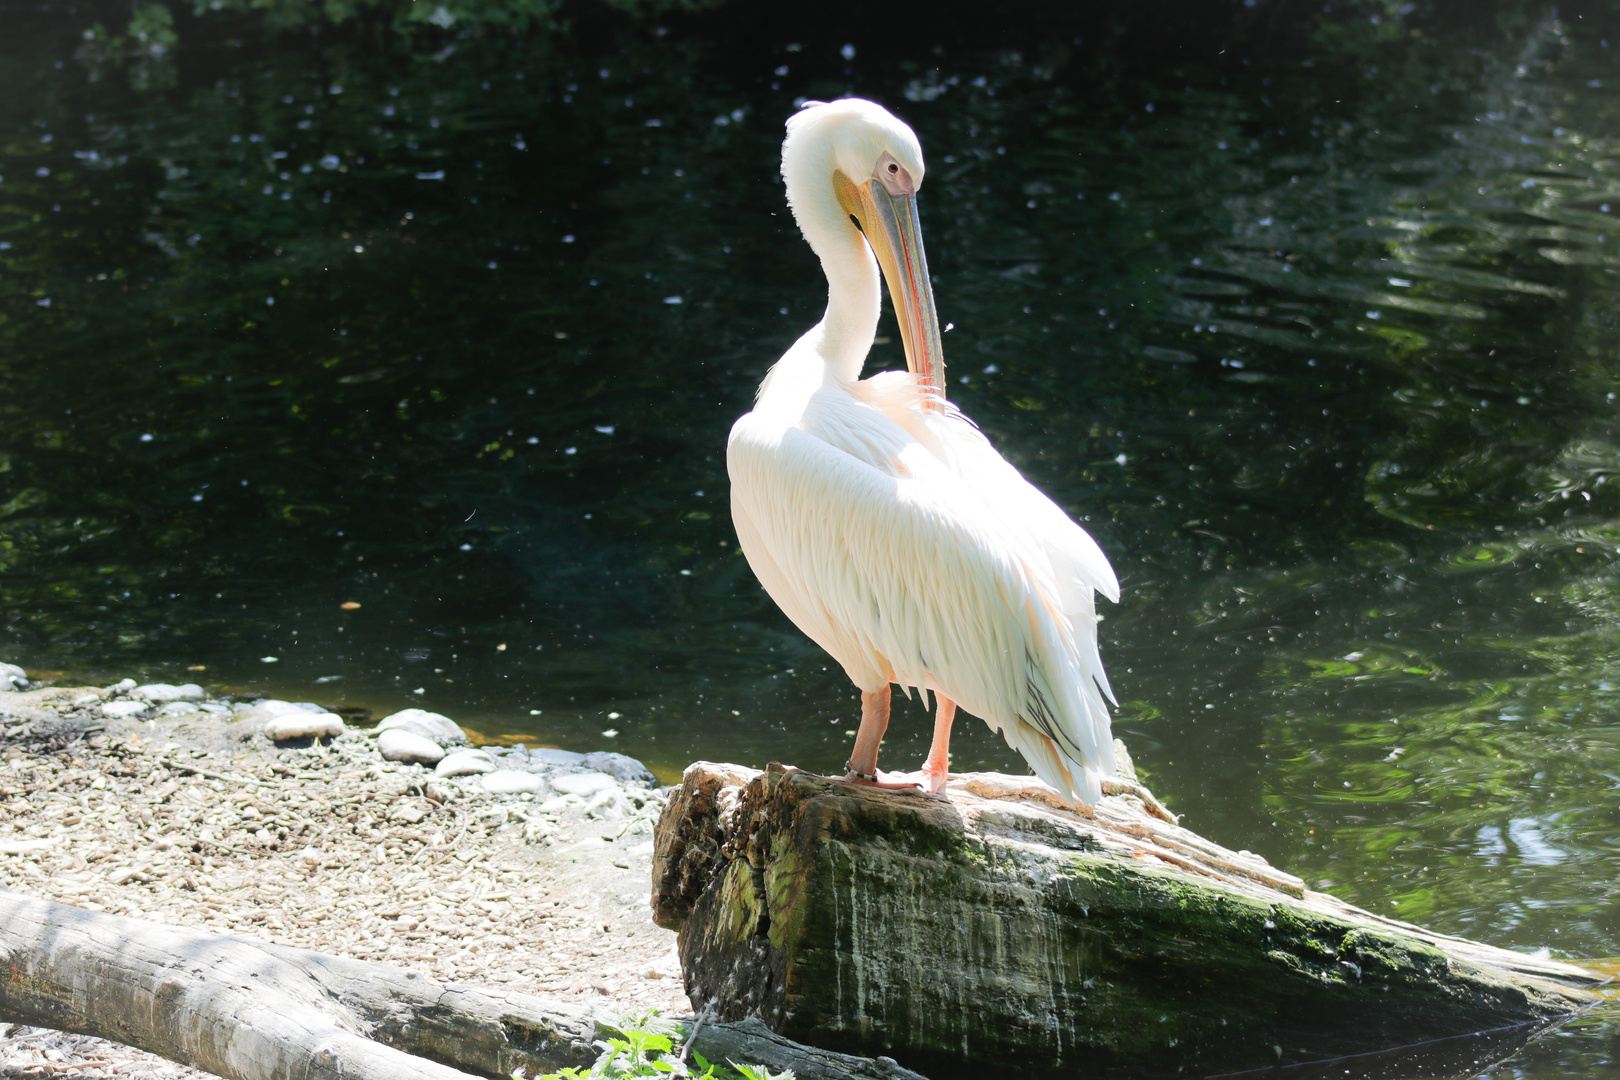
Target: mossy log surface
995, 928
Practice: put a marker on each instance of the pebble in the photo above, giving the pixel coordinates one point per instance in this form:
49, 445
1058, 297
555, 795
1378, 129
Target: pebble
513, 782
429, 725
465, 763
398, 744
583, 783
123, 708
12, 677
121, 684
298, 724
167, 692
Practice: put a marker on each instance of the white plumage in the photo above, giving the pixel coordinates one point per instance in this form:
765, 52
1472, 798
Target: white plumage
880, 519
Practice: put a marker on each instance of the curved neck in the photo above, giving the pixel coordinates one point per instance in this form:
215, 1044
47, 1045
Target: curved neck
854, 292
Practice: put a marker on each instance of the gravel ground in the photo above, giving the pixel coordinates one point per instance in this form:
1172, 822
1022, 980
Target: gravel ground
195, 819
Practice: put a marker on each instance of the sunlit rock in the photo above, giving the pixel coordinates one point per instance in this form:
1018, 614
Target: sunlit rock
583, 783
512, 782
429, 725
620, 766
398, 744
299, 724
157, 692
465, 763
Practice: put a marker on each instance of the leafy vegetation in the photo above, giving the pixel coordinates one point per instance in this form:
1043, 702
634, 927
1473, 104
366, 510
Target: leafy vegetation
648, 1048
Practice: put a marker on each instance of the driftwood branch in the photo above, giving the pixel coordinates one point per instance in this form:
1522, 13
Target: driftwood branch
247, 1010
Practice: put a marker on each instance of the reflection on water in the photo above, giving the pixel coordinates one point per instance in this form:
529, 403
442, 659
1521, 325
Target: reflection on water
1319, 342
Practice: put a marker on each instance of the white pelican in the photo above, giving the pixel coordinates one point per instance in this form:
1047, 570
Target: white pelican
880, 519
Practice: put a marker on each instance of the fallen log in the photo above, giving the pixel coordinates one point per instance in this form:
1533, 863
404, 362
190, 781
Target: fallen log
995, 929
248, 1010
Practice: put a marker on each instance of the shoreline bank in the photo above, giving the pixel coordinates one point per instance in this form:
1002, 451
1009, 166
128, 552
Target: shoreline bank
531, 871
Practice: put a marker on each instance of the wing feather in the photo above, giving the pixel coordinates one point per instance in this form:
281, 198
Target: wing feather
952, 575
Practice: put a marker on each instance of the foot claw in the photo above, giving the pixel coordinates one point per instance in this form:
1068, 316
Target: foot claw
863, 780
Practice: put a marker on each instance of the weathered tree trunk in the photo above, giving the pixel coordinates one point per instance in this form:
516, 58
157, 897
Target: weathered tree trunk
995, 930
252, 1011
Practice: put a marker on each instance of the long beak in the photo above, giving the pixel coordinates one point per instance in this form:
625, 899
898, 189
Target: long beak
889, 221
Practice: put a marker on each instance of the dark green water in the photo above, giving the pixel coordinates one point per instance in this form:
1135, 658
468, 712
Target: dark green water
1319, 341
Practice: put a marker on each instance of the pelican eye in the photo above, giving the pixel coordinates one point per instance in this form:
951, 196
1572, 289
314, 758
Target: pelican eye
893, 168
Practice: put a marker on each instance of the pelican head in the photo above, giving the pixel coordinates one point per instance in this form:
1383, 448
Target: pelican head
852, 171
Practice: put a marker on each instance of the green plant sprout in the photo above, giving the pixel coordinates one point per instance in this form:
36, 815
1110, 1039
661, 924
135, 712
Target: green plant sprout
648, 1048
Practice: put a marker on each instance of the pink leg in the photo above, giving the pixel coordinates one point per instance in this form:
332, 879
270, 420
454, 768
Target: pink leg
874, 722
939, 752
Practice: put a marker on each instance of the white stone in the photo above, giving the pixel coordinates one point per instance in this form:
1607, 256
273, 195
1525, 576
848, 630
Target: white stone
397, 744
298, 724
429, 725
609, 804
465, 763
167, 692
121, 684
513, 782
408, 812
269, 708
12, 677
558, 803
175, 708
583, 783
123, 708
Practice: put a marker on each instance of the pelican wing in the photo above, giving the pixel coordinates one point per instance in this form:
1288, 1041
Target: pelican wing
901, 568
